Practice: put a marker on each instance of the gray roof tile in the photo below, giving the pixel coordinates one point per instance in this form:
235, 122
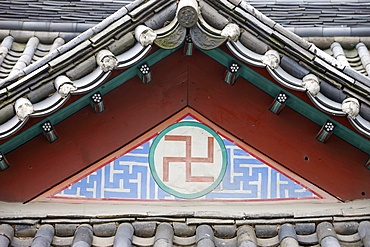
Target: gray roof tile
105, 229
266, 231
144, 229
164, 235
332, 92
346, 228
305, 228
183, 229
204, 236
224, 231
25, 230
260, 30
349, 14
83, 236
65, 230
351, 232
287, 231
124, 235
44, 236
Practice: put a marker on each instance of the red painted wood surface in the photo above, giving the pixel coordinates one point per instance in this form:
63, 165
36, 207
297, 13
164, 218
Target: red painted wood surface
178, 81
288, 138
85, 137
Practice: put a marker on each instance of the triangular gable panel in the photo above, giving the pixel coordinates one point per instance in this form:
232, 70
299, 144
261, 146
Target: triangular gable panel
199, 163
241, 42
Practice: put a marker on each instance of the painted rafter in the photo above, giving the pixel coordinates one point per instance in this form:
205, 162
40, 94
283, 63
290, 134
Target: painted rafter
245, 72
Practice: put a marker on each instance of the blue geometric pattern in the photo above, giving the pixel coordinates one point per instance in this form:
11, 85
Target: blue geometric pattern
129, 177
249, 178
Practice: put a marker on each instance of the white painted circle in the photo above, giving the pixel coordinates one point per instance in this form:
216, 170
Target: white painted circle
188, 159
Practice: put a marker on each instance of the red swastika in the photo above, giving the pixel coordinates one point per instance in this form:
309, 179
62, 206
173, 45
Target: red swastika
188, 159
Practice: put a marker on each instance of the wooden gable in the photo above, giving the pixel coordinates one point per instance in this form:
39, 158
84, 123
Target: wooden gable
178, 82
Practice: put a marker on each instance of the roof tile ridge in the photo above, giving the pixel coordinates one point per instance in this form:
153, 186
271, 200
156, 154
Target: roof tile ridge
347, 73
274, 25
23, 61
33, 26
5, 46
364, 54
26, 56
72, 43
330, 31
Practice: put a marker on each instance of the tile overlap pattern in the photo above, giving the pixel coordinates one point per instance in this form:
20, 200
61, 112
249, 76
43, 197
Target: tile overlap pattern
28, 79
182, 232
288, 13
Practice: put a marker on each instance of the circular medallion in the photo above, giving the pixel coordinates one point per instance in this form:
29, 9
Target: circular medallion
188, 160
187, 16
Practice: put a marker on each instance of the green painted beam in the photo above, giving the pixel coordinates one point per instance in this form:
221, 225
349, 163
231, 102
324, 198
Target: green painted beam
247, 73
294, 102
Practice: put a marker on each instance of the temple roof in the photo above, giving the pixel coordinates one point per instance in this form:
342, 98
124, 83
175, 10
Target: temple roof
32, 61
43, 65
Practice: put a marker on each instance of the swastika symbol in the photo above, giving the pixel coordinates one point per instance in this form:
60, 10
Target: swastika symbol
188, 159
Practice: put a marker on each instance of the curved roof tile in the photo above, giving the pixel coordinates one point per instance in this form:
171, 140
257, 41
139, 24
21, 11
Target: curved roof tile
185, 231
26, 72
